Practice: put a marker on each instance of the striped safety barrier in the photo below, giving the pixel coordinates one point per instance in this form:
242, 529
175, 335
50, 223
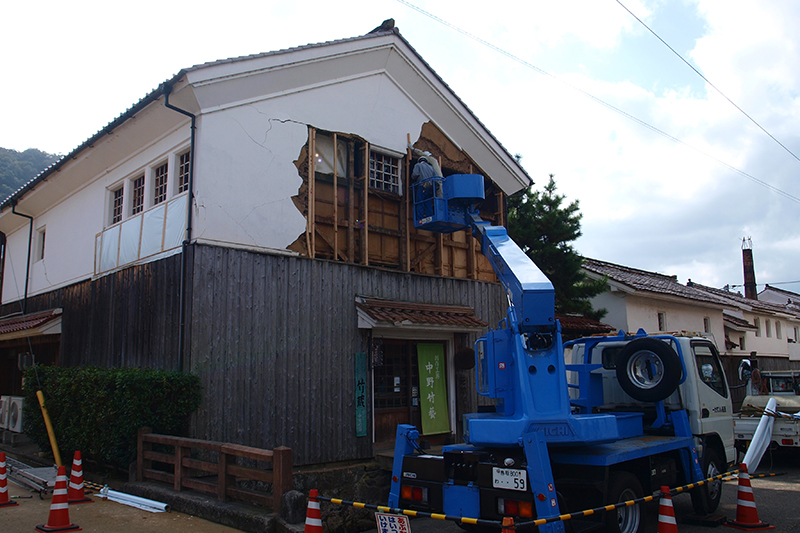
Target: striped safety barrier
540, 521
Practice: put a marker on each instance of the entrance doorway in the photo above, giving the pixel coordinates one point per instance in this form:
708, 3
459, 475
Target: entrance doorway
397, 390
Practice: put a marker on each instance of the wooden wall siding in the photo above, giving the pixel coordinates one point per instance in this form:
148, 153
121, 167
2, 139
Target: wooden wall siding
273, 339
384, 229
128, 318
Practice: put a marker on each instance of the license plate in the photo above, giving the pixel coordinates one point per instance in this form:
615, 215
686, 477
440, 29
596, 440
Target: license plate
505, 478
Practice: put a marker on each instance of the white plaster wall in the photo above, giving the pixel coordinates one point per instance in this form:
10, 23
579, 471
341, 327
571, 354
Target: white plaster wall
245, 175
768, 346
72, 223
643, 313
614, 303
794, 351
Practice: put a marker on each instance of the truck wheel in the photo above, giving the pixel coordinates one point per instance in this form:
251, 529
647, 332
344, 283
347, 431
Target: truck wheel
705, 499
648, 369
623, 486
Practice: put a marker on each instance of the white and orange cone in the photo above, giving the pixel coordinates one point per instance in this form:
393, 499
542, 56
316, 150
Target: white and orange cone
313, 513
746, 513
59, 509
75, 493
666, 513
4, 499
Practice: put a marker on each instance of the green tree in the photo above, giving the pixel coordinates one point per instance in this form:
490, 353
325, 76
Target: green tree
18, 168
544, 228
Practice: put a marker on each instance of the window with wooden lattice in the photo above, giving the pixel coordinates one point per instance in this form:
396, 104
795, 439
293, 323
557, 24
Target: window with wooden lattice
384, 172
116, 204
137, 203
184, 160
160, 184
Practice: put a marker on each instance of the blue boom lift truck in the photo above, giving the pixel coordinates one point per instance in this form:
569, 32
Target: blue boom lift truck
627, 415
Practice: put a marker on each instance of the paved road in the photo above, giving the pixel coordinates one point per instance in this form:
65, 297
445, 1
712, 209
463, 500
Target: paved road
777, 502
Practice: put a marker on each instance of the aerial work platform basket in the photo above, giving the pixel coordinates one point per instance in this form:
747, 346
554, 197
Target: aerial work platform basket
446, 204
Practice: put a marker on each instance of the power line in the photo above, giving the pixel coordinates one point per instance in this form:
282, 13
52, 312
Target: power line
598, 100
771, 283
742, 111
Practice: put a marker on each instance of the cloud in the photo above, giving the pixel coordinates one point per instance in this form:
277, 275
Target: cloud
647, 201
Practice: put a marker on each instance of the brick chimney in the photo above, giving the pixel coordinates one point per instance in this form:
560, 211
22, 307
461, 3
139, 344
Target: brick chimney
750, 290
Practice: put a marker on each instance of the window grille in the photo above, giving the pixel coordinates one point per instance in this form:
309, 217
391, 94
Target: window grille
183, 172
384, 172
160, 184
138, 195
116, 206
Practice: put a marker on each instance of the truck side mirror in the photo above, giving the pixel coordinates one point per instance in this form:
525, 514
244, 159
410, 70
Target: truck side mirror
745, 370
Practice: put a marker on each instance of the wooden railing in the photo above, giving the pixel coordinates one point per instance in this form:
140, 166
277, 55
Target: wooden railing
225, 468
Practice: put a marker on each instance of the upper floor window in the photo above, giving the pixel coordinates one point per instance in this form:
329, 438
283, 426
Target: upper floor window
707, 324
662, 321
138, 195
384, 172
116, 204
40, 244
768, 327
778, 332
183, 172
741, 343
160, 184
757, 324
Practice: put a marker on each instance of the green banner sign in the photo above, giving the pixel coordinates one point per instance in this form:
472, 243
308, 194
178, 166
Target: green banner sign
432, 389
361, 394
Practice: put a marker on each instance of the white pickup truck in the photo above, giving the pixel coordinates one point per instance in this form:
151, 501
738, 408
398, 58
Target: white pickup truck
782, 385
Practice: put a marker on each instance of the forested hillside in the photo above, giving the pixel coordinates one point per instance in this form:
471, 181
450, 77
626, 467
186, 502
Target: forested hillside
17, 168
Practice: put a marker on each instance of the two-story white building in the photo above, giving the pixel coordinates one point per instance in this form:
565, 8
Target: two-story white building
655, 302
249, 221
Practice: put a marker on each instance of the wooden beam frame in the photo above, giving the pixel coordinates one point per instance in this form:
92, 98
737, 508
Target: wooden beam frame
351, 202
312, 178
406, 212
422, 254
329, 243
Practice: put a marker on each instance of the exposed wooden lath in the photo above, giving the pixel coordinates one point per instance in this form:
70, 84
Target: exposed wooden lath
349, 221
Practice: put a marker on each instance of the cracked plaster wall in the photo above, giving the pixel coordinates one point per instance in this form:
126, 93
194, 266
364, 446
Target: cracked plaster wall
245, 173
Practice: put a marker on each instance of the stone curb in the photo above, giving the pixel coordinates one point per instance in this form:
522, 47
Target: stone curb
241, 516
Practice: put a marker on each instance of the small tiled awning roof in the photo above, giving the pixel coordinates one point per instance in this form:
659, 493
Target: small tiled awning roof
374, 312
41, 323
736, 323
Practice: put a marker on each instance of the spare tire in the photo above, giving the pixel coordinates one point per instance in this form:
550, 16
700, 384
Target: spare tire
648, 369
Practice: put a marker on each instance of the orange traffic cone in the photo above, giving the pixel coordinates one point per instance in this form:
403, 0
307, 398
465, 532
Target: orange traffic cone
59, 509
508, 524
746, 513
4, 500
75, 493
666, 513
313, 514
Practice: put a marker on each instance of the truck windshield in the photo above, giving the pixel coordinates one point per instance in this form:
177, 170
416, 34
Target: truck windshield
708, 368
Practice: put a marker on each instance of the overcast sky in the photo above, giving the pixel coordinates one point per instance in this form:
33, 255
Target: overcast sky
648, 202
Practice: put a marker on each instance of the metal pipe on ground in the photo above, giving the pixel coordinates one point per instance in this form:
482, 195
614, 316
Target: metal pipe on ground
134, 501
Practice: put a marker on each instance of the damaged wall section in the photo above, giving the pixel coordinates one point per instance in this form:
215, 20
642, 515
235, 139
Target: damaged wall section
357, 203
